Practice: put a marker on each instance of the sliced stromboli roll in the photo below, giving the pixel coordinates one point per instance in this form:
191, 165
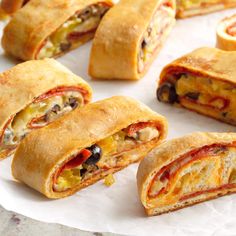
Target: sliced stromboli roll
186, 171
33, 94
11, 6
187, 8
129, 37
203, 81
226, 34
45, 28
87, 145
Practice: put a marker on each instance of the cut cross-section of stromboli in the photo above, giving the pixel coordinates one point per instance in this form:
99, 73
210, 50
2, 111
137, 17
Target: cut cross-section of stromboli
187, 8
33, 94
203, 81
129, 37
226, 34
86, 145
43, 28
186, 171
11, 6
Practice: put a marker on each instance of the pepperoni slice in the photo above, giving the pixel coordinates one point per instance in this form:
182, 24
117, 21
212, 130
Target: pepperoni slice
134, 128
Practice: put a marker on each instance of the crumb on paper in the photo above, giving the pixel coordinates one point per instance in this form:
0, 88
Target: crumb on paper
109, 180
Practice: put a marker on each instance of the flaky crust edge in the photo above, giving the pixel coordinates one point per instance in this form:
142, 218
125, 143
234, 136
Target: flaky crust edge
37, 159
31, 25
209, 62
225, 41
21, 84
182, 13
114, 53
169, 151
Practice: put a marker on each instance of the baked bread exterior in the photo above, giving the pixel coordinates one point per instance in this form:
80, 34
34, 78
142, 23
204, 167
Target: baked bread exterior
94, 128
51, 28
33, 94
129, 37
11, 6
203, 81
194, 8
226, 34
186, 171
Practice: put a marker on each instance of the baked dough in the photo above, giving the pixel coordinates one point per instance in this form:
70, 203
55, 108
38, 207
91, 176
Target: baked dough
34, 93
129, 37
51, 28
186, 171
118, 131
226, 34
203, 81
187, 8
11, 6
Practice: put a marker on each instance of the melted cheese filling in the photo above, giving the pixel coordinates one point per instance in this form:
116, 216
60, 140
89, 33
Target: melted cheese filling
153, 36
198, 93
197, 176
69, 34
113, 148
43, 112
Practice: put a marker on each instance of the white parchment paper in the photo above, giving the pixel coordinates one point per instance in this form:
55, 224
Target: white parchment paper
117, 209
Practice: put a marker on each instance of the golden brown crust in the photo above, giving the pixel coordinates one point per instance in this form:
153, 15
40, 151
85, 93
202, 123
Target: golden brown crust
209, 62
212, 7
224, 40
20, 85
36, 159
117, 41
169, 151
151, 212
30, 26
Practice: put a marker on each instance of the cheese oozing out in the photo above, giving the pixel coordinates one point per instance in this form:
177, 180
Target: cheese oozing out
208, 96
112, 149
73, 32
38, 114
199, 93
155, 33
206, 170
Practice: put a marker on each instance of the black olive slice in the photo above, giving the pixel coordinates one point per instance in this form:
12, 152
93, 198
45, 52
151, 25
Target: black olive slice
96, 155
167, 93
73, 102
56, 108
192, 95
82, 172
144, 44
65, 46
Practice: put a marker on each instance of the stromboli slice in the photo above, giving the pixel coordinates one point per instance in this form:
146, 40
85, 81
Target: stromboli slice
186, 171
34, 93
129, 37
11, 6
188, 8
86, 145
203, 81
51, 28
226, 34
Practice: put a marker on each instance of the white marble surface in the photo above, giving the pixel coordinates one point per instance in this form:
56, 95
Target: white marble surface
13, 224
